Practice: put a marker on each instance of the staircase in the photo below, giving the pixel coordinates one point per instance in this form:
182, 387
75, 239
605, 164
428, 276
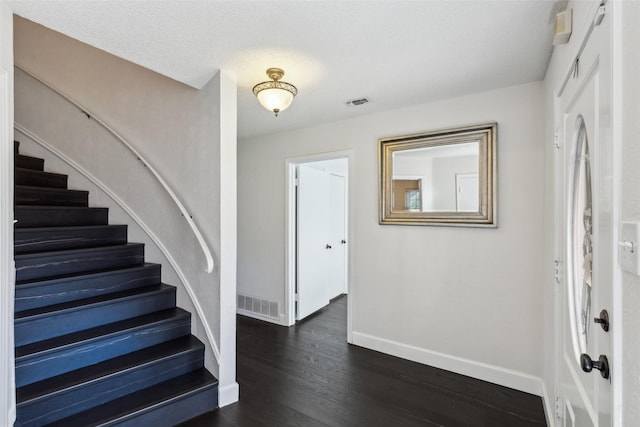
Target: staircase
99, 339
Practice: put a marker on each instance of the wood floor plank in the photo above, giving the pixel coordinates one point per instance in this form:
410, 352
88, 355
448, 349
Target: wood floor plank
308, 376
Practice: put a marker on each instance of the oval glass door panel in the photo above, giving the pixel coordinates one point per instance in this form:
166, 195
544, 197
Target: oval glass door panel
580, 241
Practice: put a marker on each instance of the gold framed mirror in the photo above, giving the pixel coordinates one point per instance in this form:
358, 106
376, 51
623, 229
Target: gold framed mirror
445, 177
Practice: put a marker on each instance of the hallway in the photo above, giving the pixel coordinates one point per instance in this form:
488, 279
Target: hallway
308, 376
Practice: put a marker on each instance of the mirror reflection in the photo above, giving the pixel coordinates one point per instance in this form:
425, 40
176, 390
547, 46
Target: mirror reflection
439, 178
436, 179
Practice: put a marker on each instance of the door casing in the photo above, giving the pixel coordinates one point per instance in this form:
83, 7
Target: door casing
290, 231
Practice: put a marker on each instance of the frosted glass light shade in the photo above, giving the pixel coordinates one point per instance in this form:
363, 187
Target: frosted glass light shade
275, 99
275, 95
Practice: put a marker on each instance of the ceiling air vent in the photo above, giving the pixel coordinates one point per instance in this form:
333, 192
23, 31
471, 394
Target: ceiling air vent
357, 101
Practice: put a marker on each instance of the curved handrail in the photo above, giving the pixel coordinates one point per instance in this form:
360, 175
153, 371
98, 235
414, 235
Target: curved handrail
106, 190
189, 218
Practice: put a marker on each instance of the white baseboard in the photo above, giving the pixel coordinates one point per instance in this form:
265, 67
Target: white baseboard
471, 368
228, 394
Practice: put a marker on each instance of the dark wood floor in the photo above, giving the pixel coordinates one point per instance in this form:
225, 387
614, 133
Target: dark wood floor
308, 376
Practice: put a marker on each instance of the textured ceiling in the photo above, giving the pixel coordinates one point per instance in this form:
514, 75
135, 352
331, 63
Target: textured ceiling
396, 53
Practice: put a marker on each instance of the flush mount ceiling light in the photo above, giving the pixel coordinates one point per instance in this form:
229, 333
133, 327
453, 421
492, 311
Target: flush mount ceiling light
275, 95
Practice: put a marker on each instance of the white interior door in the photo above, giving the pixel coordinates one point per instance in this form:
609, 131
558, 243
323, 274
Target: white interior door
337, 236
467, 192
313, 247
585, 240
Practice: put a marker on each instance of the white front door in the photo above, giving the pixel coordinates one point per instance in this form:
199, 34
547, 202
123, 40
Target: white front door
585, 236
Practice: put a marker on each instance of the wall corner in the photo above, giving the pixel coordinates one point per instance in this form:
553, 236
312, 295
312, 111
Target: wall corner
7, 270
228, 236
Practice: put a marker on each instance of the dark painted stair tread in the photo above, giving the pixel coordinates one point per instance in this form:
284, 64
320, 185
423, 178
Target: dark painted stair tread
44, 292
99, 339
71, 305
69, 237
107, 368
99, 332
67, 394
67, 262
16, 146
28, 162
25, 176
53, 216
127, 410
55, 356
45, 196
47, 322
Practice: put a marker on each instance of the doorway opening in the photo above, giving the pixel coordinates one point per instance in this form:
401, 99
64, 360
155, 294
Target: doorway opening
317, 234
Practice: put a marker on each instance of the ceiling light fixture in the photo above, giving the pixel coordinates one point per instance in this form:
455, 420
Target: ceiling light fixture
275, 95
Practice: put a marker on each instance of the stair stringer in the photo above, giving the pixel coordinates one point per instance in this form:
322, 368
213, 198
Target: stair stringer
120, 212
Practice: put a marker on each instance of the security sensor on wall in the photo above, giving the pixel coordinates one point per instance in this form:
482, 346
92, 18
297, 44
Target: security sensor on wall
562, 28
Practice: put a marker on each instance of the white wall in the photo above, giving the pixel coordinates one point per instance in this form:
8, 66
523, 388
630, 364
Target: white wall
7, 383
410, 295
181, 131
227, 227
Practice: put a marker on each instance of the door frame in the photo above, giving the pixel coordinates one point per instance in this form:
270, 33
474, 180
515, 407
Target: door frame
616, 136
290, 230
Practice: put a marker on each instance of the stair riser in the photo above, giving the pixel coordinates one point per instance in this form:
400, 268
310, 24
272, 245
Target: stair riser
64, 404
39, 179
28, 216
36, 266
60, 238
27, 162
166, 404
96, 333
60, 360
55, 324
172, 413
34, 196
52, 292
